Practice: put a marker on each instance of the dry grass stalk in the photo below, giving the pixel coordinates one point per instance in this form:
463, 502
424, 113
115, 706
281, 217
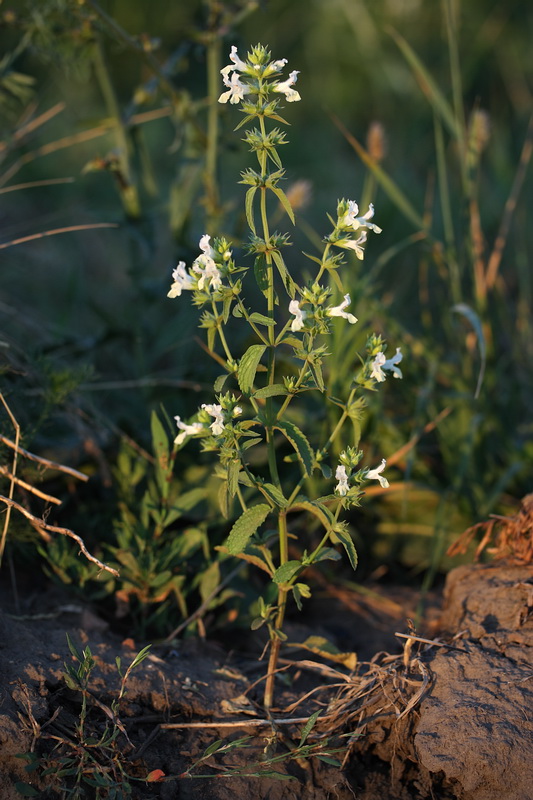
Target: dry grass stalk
512, 537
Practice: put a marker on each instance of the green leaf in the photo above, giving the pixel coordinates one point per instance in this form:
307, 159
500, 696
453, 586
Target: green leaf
245, 527
160, 442
475, 321
284, 200
286, 571
308, 727
271, 391
275, 494
72, 648
299, 442
316, 370
219, 382
233, 469
213, 747
249, 206
347, 542
260, 274
261, 319
248, 367
26, 790
318, 510
184, 503
327, 554
329, 760
210, 580
288, 282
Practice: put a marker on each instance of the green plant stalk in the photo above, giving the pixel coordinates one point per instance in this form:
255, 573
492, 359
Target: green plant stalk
128, 191
210, 178
275, 641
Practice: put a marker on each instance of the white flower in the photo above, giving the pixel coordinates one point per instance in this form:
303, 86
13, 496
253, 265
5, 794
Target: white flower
351, 220
355, 244
237, 411
182, 280
285, 87
380, 363
298, 322
236, 64
215, 411
274, 66
186, 430
338, 311
237, 90
342, 478
375, 475
205, 266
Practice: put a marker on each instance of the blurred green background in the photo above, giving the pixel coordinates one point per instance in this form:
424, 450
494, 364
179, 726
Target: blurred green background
115, 97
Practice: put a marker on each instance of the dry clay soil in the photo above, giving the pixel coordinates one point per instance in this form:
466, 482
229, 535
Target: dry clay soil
452, 720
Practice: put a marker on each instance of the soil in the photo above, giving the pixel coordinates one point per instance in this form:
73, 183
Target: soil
451, 719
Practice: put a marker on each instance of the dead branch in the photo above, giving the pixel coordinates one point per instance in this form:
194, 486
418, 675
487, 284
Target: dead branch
44, 461
43, 527
48, 497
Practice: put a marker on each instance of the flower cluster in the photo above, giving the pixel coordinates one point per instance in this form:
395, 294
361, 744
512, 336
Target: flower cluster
348, 220
345, 472
206, 272
223, 413
255, 70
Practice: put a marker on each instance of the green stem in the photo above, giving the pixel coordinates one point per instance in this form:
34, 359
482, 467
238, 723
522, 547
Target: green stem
275, 641
213, 88
128, 191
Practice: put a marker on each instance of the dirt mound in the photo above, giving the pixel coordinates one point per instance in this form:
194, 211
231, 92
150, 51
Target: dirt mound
450, 720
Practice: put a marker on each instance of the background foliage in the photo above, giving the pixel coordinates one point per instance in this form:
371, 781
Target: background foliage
114, 97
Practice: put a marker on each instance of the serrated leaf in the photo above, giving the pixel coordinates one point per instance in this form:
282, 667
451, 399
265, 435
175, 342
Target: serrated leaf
328, 554
284, 200
286, 571
299, 442
261, 319
249, 206
273, 390
248, 367
275, 494
288, 282
347, 542
245, 527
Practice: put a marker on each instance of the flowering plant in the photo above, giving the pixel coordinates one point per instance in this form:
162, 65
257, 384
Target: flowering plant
265, 383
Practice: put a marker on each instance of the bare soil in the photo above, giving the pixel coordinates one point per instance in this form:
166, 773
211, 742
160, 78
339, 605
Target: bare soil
451, 720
